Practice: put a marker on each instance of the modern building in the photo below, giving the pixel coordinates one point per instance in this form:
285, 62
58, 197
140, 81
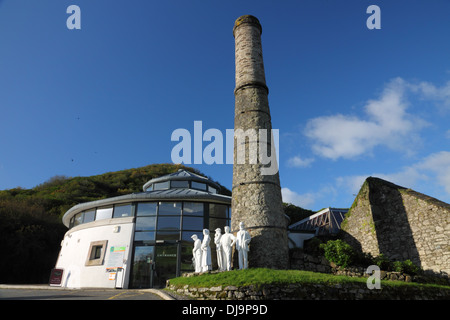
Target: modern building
142, 239
325, 222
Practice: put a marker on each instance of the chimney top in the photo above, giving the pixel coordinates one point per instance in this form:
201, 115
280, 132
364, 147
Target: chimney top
247, 19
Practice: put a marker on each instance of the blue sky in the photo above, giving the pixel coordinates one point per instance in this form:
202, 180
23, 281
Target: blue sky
349, 102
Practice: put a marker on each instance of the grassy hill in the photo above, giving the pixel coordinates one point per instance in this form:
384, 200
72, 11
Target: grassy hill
30, 219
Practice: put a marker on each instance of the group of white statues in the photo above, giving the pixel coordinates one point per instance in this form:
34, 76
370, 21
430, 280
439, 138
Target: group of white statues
224, 244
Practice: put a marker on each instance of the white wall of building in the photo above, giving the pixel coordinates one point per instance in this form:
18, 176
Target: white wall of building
75, 250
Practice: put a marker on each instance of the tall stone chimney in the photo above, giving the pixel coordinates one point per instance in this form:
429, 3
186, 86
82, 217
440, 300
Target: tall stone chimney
256, 197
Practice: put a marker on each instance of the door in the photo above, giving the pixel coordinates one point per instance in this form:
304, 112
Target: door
143, 266
166, 264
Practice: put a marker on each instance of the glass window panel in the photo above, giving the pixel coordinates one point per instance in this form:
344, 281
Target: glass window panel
104, 213
218, 210
168, 235
145, 223
146, 208
89, 216
212, 190
150, 188
161, 185
122, 211
144, 236
186, 236
192, 223
186, 257
218, 223
179, 184
172, 208
142, 262
168, 223
193, 208
166, 258
78, 219
96, 252
198, 185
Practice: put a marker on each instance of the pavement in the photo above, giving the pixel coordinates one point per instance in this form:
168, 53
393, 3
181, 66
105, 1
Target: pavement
46, 292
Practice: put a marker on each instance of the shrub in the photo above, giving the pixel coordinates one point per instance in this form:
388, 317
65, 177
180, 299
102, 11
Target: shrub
339, 252
406, 266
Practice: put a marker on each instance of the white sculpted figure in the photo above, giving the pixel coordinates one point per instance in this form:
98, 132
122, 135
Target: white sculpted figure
206, 251
227, 241
219, 250
242, 240
197, 253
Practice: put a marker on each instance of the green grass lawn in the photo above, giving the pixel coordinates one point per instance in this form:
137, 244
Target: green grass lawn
260, 276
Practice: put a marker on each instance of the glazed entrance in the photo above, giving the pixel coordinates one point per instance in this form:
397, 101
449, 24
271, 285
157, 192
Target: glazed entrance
162, 238
154, 265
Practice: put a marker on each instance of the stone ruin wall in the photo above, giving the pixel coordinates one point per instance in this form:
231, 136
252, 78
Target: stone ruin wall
401, 224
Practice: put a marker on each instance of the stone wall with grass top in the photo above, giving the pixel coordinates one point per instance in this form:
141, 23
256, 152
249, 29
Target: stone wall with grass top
312, 291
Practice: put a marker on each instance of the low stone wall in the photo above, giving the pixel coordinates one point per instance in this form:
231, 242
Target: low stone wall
303, 261
357, 291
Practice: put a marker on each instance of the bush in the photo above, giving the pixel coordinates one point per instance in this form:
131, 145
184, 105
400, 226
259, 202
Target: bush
339, 252
406, 267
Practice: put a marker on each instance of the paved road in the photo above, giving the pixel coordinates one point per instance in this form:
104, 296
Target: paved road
29, 293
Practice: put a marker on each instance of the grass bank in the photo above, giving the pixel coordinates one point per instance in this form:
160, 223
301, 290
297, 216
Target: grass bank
262, 276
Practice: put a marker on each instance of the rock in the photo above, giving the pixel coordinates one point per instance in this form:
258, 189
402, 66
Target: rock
230, 288
215, 289
239, 295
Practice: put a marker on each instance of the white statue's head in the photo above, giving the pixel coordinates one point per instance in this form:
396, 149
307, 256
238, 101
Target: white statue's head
241, 225
227, 229
194, 237
218, 231
205, 232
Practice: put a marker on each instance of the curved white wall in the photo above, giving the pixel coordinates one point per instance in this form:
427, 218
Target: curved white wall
75, 251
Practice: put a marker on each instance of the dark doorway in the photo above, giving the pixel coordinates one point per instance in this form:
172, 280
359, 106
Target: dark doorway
166, 264
153, 265
143, 265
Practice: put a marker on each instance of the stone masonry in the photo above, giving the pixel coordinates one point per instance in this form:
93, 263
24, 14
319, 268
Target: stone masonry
312, 291
256, 198
400, 224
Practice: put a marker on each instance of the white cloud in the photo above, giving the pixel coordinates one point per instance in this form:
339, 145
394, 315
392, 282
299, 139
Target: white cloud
299, 162
301, 200
439, 165
351, 184
308, 200
386, 123
430, 91
434, 169
447, 134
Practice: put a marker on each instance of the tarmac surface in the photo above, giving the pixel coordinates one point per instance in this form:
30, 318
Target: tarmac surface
46, 292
